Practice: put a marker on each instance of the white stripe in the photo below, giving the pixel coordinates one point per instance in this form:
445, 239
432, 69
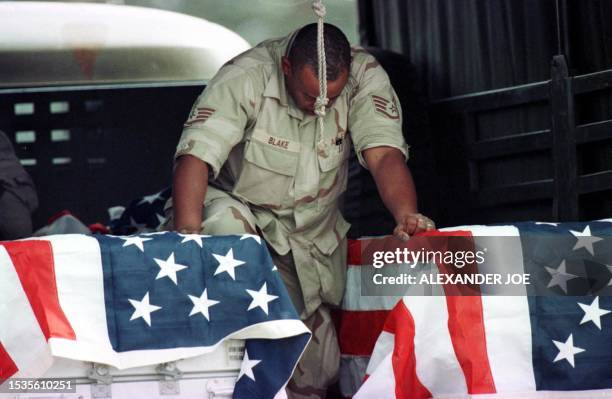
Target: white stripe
384, 345
508, 336
353, 300
80, 288
20, 333
381, 384
436, 363
506, 318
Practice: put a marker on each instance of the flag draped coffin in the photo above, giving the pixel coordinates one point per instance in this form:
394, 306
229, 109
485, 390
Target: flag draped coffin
140, 300
553, 341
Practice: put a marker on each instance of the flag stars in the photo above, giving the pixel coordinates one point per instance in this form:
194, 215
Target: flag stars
593, 313
227, 264
138, 242
567, 350
560, 277
143, 309
197, 238
202, 304
261, 298
253, 236
168, 268
247, 366
149, 199
585, 239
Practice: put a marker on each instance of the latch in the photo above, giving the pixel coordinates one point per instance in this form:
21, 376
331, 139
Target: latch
101, 381
170, 376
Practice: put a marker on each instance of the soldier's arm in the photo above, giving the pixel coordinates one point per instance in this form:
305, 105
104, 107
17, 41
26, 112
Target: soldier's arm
190, 182
396, 187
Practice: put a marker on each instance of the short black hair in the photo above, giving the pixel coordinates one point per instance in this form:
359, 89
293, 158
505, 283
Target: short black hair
303, 50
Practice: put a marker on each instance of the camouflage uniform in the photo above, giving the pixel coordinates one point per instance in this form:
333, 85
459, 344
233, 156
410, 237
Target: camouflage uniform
267, 175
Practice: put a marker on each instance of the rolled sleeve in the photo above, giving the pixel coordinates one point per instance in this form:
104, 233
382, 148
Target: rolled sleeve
375, 115
218, 118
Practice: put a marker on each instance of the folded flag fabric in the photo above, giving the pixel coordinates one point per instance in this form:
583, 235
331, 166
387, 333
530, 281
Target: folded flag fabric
553, 341
142, 214
130, 301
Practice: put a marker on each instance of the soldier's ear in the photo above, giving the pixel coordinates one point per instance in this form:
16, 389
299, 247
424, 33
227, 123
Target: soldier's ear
286, 65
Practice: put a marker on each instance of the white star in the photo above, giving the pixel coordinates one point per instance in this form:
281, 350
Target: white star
276, 268
150, 198
567, 350
134, 223
593, 313
548, 223
143, 309
585, 239
201, 304
261, 298
247, 366
160, 218
168, 268
227, 263
135, 240
253, 236
197, 238
610, 269
559, 276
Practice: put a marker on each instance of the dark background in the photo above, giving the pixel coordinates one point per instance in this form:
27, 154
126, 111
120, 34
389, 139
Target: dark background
498, 131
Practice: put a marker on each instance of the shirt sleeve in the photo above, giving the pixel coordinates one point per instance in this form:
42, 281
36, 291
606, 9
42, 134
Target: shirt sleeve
218, 118
375, 115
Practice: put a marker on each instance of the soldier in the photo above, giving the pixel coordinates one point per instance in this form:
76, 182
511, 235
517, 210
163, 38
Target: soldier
252, 153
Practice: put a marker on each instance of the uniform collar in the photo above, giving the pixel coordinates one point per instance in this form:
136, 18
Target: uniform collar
276, 88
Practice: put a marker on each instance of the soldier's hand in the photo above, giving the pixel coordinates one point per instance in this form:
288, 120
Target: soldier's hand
412, 224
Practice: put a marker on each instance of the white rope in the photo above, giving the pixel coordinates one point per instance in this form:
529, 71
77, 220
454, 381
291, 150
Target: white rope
322, 100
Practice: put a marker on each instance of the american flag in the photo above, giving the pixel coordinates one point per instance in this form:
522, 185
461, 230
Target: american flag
554, 341
142, 214
130, 301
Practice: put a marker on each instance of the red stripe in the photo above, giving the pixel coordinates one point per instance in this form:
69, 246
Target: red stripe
375, 97
407, 383
466, 323
354, 252
206, 109
359, 330
7, 366
34, 264
381, 103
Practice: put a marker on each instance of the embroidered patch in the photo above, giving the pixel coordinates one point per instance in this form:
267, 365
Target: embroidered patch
386, 107
185, 148
278, 142
200, 114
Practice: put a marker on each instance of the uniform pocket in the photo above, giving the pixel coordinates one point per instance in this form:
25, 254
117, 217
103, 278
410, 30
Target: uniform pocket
336, 155
267, 174
329, 257
334, 173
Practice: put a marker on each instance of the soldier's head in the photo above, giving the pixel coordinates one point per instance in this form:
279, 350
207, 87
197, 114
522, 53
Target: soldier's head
301, 65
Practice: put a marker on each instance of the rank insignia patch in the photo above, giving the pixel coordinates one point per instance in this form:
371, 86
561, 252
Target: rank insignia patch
200, 114
386, 107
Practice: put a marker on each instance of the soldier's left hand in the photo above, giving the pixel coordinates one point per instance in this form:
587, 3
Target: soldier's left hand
412, 224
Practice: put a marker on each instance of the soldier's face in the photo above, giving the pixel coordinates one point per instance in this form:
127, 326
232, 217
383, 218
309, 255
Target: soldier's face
303, 86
